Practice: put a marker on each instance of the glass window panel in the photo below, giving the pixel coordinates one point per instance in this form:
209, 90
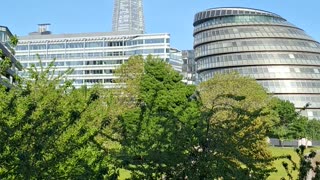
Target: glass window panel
38, 47
94, 44
22, 47
75, 45
56, 46
154, 41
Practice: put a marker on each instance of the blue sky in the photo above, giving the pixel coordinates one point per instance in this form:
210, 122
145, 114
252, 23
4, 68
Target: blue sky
170, 16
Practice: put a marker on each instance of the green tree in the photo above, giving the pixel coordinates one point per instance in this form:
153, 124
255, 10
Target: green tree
158, 133
129, 77
5, 64
313, 129
290, 124
236, 119
53, 131
174, 132
298, 128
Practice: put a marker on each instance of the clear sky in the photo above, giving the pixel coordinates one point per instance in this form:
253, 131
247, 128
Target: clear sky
161, 16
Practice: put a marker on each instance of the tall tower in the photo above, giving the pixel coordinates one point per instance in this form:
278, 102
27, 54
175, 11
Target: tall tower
128, 16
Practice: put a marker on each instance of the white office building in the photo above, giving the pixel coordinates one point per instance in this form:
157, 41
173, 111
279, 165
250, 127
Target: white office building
93, 56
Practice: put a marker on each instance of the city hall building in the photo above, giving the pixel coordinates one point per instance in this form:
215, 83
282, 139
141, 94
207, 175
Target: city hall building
263, 45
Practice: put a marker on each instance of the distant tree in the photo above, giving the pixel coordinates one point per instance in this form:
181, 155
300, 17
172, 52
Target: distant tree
313, 129
129, 78
290, 124
298, 128
286, 114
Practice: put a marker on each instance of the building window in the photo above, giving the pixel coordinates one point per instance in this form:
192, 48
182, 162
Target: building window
94, 44
38, 47
154, 41
74, 45
56, 46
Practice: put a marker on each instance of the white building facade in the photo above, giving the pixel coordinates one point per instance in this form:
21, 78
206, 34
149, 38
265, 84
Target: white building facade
93, 56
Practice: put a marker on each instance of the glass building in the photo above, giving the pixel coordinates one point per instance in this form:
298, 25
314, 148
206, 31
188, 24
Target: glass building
263, 45
93, 56
128, 16
7, 76
176, 59
188, 67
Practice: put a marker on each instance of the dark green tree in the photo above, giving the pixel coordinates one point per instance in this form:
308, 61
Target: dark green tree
313, 129
289, 123
286, 114
158, 133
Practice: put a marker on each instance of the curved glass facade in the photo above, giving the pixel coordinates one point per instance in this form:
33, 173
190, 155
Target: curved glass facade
263, 45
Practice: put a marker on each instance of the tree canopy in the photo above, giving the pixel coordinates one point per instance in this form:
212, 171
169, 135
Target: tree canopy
218, 131
158, 131
236, 120
289, 123
50, 131
152, 125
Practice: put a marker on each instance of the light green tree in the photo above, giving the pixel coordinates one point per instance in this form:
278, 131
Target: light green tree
236, 119
50, 130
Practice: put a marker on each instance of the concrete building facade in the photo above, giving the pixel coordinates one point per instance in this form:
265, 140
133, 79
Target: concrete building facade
93, 56
8, 63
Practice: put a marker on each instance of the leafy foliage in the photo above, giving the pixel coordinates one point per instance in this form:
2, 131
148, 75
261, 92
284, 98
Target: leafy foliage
158, 132
313, 129
234, 140
14, 40
153, 125
129, 78
290, 124
5, 64
50, 131
308, 168
175, 133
